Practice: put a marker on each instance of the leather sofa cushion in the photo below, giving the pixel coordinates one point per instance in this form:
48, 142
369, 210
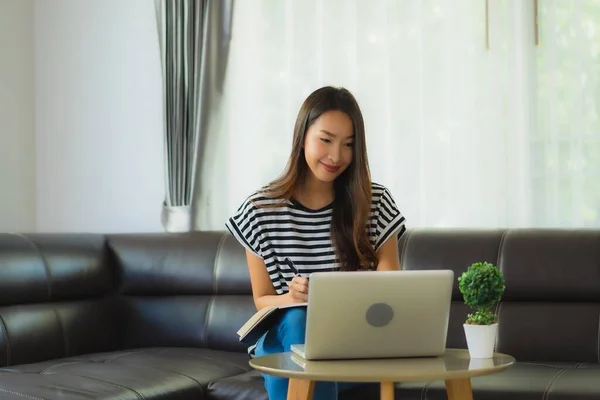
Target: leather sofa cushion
151, 373
579, 383
522, 381
250, 385
192, 263
448, 249
39, 268
35, 332
545, 331
551, 304
165, 264
185, 321
23, 276
190, 290
538, 265
55, 297
551, 265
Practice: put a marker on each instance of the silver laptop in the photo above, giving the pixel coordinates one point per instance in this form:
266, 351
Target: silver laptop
377, 314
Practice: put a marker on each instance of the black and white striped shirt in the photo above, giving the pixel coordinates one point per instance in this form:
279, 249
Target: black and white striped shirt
293, 231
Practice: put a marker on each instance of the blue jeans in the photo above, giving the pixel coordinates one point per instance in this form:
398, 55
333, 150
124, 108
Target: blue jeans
291, 329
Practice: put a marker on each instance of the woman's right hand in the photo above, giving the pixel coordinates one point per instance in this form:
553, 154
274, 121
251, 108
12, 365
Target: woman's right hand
298, 290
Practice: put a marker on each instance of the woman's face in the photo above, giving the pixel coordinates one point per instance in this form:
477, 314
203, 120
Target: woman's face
328, 145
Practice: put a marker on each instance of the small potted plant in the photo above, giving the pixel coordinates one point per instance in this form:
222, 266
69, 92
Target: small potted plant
482, 287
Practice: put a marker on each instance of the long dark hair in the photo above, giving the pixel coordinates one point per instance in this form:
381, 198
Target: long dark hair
352, 189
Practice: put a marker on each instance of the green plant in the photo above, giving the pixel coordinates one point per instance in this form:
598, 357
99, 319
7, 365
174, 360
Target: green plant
482, 286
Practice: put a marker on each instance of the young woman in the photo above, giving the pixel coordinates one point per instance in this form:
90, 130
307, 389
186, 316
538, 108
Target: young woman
322, 214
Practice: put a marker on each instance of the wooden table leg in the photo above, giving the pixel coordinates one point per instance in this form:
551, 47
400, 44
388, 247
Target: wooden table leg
387, 391
300, 389
459, 389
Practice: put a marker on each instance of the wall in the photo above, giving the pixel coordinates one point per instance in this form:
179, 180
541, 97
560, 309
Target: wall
98, 116
17, 131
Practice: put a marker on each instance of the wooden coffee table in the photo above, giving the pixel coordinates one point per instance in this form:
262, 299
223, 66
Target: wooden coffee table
455, 367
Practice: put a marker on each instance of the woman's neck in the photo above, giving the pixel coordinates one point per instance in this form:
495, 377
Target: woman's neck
315, 194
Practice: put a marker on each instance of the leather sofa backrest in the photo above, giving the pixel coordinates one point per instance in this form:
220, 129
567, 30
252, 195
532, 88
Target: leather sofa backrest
63, 295
552, 303
188, 289
551, 306
449, 249
55, 297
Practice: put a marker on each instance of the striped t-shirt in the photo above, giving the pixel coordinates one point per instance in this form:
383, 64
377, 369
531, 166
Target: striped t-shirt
293, 231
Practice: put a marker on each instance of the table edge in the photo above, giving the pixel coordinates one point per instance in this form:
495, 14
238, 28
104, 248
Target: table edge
384, 378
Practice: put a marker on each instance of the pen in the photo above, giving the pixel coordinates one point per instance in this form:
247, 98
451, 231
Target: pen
291, 266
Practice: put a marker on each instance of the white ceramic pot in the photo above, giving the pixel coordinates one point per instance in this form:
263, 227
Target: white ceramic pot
481, 363
481, 340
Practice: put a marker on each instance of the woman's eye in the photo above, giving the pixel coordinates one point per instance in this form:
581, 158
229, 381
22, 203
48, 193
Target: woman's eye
350, 144
325, 140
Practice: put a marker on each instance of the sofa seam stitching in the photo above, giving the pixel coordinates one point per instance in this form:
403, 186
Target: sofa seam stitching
206, 318
216, 262
122, 354
215, 286
404, 246
21, 394
10, 371
500, 247
44, 261
47, 370
135, 392
6, 338
546, 393
425, 390
62, 329
226, 362
598, 344
166, 370
498, 307
541, 364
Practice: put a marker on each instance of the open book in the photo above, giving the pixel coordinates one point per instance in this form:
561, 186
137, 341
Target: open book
260, 322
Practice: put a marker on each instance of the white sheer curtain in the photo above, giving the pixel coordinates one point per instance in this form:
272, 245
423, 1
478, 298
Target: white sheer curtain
453, 128
566, 142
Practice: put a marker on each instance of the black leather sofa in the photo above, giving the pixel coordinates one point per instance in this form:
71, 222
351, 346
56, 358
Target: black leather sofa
154, 316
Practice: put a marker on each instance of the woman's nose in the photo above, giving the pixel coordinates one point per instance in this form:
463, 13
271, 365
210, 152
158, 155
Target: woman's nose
335, 154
